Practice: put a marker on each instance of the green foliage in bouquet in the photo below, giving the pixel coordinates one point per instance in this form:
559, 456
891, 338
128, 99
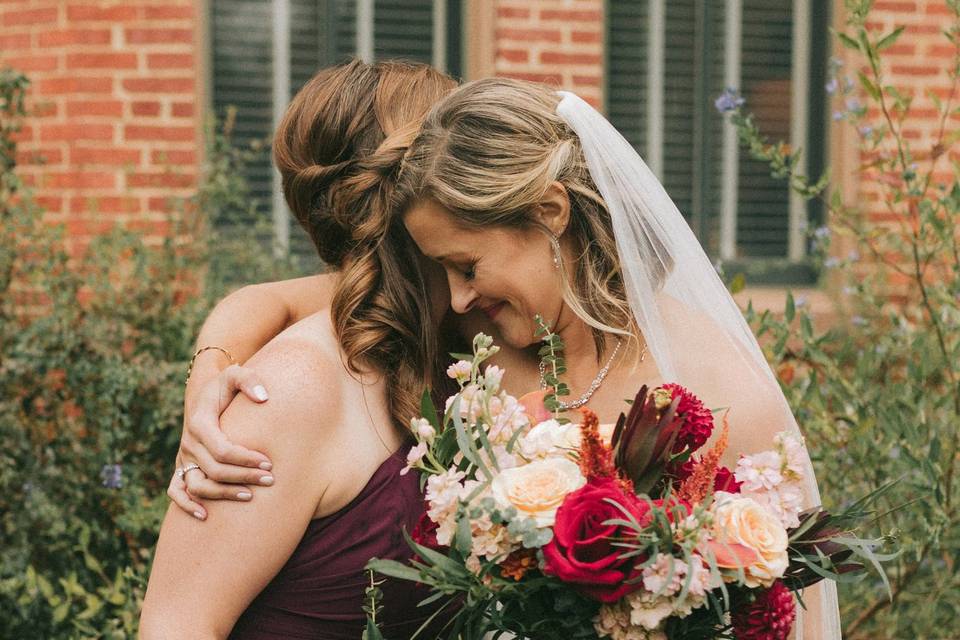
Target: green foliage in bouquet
94, 345
878, 394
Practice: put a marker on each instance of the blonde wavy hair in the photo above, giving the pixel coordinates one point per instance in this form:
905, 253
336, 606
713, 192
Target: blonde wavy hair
488, 153
338, 150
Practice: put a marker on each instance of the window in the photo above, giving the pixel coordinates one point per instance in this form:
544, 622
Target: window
667, 61
264, 51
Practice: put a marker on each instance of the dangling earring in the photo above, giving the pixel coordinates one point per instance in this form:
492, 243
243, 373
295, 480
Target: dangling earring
555, 241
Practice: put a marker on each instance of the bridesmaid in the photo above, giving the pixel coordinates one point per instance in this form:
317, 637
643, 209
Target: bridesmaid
291, 563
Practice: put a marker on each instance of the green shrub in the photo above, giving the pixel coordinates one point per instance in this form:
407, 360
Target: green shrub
93, 352
878, 394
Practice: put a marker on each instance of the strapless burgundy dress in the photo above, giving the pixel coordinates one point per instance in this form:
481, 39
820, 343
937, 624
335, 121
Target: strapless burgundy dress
319, 593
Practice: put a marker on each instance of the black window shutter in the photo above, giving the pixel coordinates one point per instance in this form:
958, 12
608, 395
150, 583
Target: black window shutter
627, 70
403, 29
766, 53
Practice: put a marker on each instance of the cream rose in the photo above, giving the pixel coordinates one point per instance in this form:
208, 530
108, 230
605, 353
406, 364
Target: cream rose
549, 439
739, 520
537, 489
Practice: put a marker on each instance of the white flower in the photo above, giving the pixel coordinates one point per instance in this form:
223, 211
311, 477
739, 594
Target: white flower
414, 456
443, 495
759, 471
784, 501
508, 416
665, 576
460, 370
648, 611
793, 453
549, 438
492, 377
537, 489
423, 429
613, 621
742, 520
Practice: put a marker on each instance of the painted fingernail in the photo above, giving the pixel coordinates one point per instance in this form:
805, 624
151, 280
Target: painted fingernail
266, 466
267, 480
244, 495
260, 393
198, 515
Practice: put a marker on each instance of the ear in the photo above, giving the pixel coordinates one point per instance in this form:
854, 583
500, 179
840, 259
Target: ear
553, 210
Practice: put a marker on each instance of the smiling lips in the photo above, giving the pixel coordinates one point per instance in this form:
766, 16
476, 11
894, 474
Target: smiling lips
492, 311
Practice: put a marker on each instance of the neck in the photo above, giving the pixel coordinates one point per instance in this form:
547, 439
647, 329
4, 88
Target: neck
580, 351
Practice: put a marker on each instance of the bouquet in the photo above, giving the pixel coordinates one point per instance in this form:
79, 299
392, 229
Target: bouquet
546, 528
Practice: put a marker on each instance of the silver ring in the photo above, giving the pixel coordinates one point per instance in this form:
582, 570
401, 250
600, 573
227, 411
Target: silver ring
179, 473
190, 467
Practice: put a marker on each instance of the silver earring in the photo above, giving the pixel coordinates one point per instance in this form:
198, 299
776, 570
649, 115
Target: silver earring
555, 241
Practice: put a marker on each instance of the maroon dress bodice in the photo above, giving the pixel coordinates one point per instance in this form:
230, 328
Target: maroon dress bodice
319, 592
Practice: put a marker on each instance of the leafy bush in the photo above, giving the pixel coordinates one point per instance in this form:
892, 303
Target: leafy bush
879, 393
93, 351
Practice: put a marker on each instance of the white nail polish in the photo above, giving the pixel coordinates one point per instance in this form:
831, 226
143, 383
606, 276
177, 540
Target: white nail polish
266, 466
244, 495
260, 393
267, 480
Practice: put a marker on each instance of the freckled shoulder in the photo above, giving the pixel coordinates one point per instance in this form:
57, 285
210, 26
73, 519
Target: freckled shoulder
306, 378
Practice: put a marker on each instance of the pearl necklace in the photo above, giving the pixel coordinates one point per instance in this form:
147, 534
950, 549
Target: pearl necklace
585, 398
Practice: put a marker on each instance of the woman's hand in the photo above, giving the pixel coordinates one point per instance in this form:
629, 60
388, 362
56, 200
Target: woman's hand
222, 469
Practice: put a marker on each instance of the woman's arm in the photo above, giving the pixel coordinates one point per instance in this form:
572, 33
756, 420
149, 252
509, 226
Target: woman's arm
241, 323
245, 545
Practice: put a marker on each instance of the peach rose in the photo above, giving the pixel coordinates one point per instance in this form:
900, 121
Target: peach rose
742, 521
537, 489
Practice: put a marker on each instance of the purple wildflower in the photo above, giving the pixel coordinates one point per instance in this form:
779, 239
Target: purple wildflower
821, 233
729, 100
831, 86
112, 476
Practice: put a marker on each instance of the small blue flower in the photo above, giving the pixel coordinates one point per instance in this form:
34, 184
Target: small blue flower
836, 62
832, 86
853, 256
837, 116
849, 291
847, 85
831, 263
800, 301
112, 476
859, 321
821, 233
866, 130
853, 104
729, 100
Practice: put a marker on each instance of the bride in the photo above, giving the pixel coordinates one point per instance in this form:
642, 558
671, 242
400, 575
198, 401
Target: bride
533, 204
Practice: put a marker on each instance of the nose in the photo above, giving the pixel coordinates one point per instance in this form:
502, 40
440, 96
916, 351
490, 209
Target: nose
462, 295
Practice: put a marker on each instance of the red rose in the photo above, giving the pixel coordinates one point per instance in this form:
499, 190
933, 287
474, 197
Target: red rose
725, 481
425, 534
582, 551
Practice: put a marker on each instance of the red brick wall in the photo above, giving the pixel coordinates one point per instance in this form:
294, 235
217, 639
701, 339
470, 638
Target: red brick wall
919, 62
554, 41
114, 133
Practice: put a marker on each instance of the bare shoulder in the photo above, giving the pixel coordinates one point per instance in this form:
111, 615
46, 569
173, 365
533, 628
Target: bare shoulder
303, 369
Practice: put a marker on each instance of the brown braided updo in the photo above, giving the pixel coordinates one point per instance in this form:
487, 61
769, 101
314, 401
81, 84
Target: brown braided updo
338, 150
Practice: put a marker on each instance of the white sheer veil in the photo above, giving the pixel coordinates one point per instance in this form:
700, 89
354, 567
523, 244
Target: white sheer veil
664, 269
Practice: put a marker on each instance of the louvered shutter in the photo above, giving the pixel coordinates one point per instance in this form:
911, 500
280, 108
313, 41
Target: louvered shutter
627, 70
766, 52
242, 66
403, 29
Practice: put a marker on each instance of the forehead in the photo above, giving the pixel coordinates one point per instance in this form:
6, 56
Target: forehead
436, 231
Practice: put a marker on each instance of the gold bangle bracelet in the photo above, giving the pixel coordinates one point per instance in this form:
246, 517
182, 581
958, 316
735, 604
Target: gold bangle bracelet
201, 350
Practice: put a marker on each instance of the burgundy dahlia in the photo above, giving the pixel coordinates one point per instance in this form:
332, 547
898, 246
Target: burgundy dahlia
769, 617
697, 420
